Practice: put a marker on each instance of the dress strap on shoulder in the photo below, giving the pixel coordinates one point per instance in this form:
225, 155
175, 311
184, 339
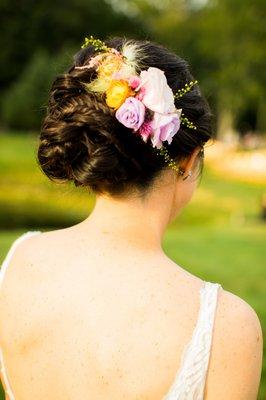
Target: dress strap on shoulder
7, 386
12, 250
189, 383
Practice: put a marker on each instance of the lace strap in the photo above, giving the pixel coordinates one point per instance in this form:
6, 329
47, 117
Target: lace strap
190, 380
12, 250
6, 384
7, 387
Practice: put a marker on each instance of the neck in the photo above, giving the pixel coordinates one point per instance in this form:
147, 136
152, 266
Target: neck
132, 221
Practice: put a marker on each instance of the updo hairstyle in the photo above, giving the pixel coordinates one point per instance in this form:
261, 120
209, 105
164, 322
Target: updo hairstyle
82, 141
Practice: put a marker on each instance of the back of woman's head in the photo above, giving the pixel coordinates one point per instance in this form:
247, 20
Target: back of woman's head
82, 141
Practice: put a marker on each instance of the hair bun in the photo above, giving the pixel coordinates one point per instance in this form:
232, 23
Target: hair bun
79, 139
82, 141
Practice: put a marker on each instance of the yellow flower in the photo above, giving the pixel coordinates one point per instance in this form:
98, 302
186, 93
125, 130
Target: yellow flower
117, 93
110, 64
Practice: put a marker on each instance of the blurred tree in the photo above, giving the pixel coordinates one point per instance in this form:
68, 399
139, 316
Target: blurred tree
28, 25
19, 105
225, 43
223, 40
24, 104
235, 33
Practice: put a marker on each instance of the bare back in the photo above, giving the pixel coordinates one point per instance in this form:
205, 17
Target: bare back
98, 320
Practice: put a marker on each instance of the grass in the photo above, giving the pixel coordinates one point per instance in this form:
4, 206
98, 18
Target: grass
219, 236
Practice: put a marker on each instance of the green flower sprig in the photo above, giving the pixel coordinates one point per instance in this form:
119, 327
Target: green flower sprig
97, 43
185, 89
170, 162
185, 121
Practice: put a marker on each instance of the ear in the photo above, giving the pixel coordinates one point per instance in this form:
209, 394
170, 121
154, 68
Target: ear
188, 164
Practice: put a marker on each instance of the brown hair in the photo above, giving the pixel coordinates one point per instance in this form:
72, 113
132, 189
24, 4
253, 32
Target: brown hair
82, 141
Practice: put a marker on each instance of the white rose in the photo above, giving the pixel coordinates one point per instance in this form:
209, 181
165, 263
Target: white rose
158, 96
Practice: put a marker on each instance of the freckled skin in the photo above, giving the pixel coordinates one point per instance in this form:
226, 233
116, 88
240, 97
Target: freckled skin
99, 311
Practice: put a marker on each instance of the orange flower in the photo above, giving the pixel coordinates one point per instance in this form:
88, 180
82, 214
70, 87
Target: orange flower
117, 93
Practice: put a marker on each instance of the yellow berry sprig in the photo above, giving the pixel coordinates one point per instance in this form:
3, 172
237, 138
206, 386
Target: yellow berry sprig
189, 124
170, 162
185, 89
97, 43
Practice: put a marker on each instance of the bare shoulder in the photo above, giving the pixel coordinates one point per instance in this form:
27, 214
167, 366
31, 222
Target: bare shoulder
239, 322
236, 356
29, 246
19, 260
25, 272
23, 243
14, 261
29, 258
234, 307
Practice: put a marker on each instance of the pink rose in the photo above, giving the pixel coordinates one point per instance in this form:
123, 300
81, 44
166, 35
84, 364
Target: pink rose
131, 113
164, 127
140, 93
145, 130
158, 95
134, 81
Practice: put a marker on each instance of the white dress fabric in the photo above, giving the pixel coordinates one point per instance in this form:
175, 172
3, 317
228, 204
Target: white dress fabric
189, 382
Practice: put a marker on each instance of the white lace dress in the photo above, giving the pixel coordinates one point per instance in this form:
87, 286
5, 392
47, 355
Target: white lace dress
189, 382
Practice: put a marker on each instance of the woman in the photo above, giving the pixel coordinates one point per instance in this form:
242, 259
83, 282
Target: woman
98, 310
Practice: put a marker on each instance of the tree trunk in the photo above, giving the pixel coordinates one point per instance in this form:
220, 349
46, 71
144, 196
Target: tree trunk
225, 126
261, 116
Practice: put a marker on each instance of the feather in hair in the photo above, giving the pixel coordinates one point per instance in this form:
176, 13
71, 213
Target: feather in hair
133, 54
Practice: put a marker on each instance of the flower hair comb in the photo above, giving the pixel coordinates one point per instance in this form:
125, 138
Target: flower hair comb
142, 102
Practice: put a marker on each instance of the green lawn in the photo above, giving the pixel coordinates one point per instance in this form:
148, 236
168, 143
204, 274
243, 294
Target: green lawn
219, 236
